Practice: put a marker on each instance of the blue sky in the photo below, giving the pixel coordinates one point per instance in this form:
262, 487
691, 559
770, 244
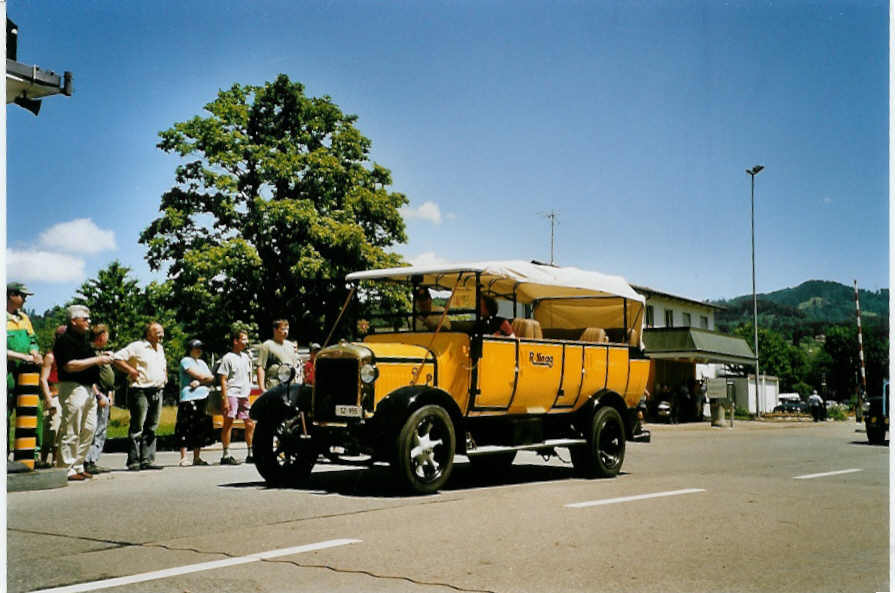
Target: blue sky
634, 121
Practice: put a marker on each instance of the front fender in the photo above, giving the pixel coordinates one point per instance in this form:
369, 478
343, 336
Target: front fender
393, 411
282, 400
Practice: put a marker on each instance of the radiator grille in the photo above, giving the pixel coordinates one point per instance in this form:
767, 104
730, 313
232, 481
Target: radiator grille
335, 383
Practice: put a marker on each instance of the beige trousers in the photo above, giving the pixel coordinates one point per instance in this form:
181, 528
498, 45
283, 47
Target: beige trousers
78, 423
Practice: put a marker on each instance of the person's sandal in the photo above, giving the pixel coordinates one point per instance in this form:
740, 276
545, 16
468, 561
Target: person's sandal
200, 462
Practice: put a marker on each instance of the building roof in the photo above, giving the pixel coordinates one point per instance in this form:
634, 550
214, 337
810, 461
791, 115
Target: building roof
693, 344
651, 292
26, 84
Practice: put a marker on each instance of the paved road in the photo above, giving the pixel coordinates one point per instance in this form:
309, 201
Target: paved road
762, 507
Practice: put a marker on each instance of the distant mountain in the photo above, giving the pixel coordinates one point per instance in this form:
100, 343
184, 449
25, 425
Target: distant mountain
812, 304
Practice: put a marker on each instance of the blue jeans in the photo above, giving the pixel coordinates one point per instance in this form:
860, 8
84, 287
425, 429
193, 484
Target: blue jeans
145, 406
99, 437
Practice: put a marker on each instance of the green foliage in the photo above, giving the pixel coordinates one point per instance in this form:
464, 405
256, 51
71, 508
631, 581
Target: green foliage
808, 336
275, 203
743, 414
114, 298
837, 413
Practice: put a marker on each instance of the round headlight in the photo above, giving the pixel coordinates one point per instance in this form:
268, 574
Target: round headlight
285, 373
865, 407
368, 373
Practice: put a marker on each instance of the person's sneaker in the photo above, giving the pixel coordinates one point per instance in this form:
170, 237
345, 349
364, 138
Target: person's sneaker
42, 465
95, 469
133, 467
199, 462
250, 459
229, 460
150, 466
184, 462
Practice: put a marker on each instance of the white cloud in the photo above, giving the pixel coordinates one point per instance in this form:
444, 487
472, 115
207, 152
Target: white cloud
427, 259
43, 266
78, 236
828, 200
426, 211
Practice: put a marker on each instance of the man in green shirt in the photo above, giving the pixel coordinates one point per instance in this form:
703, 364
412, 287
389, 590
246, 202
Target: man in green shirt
274, 353
21, 347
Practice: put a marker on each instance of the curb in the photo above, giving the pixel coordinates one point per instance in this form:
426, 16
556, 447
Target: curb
44, 479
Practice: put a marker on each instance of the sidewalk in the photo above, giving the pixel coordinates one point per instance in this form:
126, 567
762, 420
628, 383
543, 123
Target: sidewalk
750, 425
45, 479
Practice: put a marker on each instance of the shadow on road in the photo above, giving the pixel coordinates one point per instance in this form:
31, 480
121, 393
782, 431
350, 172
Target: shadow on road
883, 444
379, 481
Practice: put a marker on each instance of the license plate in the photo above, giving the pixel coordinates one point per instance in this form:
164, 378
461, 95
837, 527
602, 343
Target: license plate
349, 411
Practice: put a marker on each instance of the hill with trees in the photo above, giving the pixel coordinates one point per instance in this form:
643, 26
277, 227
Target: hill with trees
808, 336
806, 309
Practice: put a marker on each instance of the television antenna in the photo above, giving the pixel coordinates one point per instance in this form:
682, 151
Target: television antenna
552, 215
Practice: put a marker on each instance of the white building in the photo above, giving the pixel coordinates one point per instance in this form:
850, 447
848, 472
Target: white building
681, 338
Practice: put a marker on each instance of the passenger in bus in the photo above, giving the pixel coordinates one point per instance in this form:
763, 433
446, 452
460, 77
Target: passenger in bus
425, 316
494, 325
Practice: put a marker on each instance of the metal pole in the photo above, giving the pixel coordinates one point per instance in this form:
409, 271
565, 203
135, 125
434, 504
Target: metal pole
752, 173
862, 387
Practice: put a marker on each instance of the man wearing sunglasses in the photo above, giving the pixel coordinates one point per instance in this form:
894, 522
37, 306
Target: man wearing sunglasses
78, 366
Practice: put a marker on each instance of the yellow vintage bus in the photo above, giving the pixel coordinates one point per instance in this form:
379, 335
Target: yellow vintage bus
432, 382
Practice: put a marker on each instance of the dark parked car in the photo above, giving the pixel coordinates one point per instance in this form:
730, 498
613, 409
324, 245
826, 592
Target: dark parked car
876, 416
791, 406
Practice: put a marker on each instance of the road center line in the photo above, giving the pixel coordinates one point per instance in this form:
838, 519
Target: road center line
825, 474
593, 503
179, 570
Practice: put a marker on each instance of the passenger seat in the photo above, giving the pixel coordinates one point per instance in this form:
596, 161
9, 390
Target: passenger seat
594, 334
527, 328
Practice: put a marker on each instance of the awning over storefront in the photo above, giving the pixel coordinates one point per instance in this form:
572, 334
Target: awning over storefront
691, 344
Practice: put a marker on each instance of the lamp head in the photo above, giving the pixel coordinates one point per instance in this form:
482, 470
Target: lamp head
755, 170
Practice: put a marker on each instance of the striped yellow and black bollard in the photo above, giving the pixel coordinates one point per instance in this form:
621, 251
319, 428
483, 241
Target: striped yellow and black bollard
27, 397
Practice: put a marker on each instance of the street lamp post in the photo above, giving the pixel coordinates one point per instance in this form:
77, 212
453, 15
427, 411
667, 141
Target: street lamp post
752, 173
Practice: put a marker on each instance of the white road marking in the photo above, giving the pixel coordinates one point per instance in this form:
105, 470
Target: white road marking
179, 570
593, 503
825, 474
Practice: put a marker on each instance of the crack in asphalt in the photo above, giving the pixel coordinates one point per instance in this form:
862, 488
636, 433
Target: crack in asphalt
380, 576
119, 544
125, 544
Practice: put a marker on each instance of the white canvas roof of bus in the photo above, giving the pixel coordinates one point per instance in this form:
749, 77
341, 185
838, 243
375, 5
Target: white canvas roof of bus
532, 281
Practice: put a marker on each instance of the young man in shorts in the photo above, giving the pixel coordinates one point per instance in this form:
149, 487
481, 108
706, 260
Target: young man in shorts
235, 375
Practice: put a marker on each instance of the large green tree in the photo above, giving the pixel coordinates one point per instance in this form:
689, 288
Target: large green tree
276, 201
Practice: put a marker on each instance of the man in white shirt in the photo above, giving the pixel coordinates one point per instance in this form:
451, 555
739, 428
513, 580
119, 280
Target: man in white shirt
235, 375
147, 372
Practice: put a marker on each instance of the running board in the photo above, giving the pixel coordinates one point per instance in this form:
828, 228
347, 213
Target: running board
548, 444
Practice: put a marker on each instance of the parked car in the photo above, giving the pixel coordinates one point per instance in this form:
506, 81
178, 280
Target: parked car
791, 406
876, 416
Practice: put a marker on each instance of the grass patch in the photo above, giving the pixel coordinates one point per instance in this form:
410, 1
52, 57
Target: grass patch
119, 420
